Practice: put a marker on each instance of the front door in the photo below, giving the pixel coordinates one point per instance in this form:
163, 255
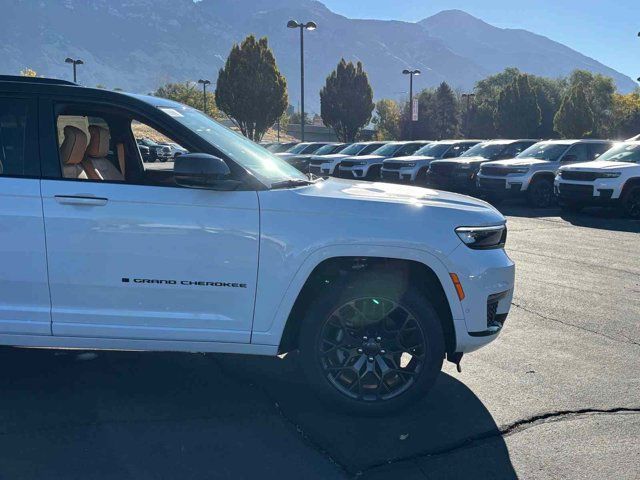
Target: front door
131, 259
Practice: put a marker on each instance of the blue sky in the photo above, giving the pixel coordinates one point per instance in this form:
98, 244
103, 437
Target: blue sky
604, 30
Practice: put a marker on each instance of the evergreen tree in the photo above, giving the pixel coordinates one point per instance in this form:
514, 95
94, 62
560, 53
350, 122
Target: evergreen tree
517, 113
575, 118
250, 89
445, 113
346, 100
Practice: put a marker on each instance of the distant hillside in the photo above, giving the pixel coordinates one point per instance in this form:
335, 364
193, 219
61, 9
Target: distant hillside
138, 45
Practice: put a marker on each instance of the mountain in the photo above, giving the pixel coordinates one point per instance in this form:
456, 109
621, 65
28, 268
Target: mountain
141, 44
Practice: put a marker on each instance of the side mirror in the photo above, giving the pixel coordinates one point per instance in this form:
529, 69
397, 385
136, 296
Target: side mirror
570, 158
199, 170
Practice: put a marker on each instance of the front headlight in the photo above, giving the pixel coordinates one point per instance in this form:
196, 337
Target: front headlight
483, 238
608, 175
519, 170
408, 165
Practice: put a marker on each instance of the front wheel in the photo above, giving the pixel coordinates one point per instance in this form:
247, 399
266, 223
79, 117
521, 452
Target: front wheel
370, 349
631, 203
540, 193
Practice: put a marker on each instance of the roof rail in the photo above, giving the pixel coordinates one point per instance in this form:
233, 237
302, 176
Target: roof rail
41, 80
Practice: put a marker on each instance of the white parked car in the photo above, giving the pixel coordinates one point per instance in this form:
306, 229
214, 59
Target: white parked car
233, 250
327, 164
413, 168
611, 180
531, 174
368, 166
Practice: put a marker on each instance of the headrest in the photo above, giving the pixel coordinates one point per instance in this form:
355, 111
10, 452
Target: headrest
99, 142
73, 146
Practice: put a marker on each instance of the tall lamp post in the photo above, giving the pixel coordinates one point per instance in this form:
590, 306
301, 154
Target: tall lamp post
302, 26
411, 74
75, 63
204, 84
469, 98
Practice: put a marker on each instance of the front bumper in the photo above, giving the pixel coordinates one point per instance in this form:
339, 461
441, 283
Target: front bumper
487, 278
325, 169
511, 186
456, 181
602, 192
359, 171
399, 176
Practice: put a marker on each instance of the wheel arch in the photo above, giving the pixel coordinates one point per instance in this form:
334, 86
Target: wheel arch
542, 175
628, 185
331, 272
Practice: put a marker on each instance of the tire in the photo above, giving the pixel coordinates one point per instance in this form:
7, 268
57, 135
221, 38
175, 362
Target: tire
333, 371
540, 193
631, 203
421, 177
373, 174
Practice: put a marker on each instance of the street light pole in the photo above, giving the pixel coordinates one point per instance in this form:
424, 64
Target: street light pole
204, 84
302, 26
411, 73
75, 63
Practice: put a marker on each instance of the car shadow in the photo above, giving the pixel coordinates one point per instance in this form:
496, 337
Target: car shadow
450, 419
68, 414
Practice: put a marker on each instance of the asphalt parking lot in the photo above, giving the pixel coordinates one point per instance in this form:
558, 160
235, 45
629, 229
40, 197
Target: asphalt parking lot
557, 396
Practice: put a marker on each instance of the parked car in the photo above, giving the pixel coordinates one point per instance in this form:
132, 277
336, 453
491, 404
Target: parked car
374, 296
327, 164
145, 153
459, 174
160, 153
302, 149
413, 168
281, 147
301, 161
611, 180
368, 166
176, 150
531, 174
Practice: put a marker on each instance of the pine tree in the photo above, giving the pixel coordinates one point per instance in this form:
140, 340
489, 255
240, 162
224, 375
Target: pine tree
250, 89
445, 113
518, 114
575, 118
346, 100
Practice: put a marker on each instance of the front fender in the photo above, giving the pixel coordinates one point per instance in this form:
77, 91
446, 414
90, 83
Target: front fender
271, 315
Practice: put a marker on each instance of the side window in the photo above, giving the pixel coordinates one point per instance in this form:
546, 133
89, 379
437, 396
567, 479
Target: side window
577, 153
514, 149
597, 149
408, 149
370, 148
18, 141
157, 151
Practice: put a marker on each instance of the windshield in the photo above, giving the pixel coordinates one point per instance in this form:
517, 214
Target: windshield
258, 160
485, 150
436, 150
327, 149
299, 148
388, 149
353, 149
627, 152
544, 151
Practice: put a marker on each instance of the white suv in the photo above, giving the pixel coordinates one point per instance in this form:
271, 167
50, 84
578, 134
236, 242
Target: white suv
230, 249
327, 164
531, 174
413, 168
368, 166
613, 179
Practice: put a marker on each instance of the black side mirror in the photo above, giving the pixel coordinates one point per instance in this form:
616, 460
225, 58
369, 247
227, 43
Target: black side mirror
570, 158
199, 170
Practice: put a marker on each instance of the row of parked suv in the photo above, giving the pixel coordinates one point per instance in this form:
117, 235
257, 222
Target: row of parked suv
540, 171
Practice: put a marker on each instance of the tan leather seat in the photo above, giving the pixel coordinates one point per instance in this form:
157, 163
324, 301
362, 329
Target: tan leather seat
72, 153
95, 158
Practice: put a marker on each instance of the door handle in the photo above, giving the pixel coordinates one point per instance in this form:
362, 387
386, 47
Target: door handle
83, 200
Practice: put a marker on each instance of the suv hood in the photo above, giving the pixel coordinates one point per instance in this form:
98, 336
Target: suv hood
468, 160
330, 157
600, 165
367, 158
519, 162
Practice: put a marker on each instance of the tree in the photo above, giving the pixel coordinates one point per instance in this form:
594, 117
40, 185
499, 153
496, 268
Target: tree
250, 89
626, 115
387, 120
598, 92
190, 94
28, 72
517, 113
346, 100
575, 118
445, 113
295, 118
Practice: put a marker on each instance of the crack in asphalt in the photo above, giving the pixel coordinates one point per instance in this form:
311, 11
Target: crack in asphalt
508, 430
624, 339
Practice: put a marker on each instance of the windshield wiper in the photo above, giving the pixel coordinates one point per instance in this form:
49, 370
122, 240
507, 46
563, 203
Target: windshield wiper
291, 183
